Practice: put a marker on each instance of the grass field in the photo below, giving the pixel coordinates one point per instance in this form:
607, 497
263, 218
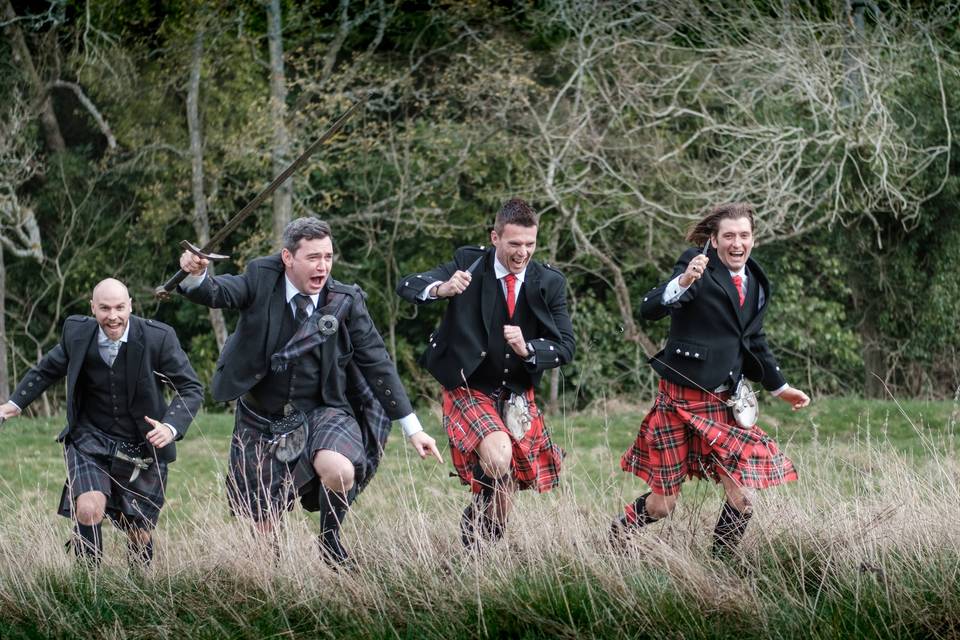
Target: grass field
867, 544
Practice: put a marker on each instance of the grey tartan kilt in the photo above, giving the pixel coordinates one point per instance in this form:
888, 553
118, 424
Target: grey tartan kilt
261, 487
91, 466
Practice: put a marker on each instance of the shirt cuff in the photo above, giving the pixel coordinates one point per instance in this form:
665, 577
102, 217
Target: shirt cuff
425, 294
19, 408
192, 282
777, 392
673, 291
410, 424
172, 429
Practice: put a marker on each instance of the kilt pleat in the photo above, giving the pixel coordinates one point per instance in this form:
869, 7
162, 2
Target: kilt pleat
470, 415
692, 433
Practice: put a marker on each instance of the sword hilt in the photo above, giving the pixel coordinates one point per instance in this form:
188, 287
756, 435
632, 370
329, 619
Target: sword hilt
163, 291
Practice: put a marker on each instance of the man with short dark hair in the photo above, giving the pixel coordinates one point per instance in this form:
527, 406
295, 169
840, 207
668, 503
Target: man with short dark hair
315, 387
506, 323
716, 300
116, 365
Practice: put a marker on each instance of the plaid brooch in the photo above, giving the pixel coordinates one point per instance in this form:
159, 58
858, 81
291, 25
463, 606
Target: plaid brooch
312, 333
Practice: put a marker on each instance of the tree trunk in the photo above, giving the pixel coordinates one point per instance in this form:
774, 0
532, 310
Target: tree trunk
201, 222
4, 372
282, 197
23, 59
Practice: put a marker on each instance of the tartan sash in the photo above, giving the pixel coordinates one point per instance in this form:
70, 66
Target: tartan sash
314, 331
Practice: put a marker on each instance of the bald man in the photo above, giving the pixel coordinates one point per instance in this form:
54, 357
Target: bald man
120, 430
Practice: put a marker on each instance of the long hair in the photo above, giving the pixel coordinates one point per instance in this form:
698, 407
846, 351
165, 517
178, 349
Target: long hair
703, 230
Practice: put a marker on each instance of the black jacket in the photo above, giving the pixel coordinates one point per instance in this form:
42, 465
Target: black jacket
710, 343
260, 295
151, 347
458, 346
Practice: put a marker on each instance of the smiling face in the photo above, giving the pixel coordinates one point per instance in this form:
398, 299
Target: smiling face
515, 246
733, 242
111, 306
310, 265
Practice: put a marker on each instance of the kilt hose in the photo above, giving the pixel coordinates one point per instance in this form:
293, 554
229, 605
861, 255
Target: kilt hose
93, 466
261, 487
692, 433
470, 415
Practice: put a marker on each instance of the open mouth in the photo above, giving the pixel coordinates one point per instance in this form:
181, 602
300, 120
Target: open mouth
317, 281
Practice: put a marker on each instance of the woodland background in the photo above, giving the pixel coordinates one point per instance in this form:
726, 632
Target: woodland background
126, 126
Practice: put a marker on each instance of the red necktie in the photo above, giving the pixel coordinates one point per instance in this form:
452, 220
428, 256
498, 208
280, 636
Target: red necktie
511, 281
738, 283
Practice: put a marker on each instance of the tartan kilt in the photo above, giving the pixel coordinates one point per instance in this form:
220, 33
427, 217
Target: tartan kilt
261, 487
470, 415
692, 433
92, 466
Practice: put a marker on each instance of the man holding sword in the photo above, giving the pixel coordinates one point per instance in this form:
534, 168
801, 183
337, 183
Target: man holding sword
716, 300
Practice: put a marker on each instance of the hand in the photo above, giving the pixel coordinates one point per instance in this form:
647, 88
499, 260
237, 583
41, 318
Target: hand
425, 445
8, 410
795, 397
161, 435
514, 337
694, 270
193, 264
456, 285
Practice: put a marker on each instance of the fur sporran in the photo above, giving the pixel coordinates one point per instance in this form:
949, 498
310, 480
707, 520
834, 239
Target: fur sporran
289, 437
746, 411
514, 410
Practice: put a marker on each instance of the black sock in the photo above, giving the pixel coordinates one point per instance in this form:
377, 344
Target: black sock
333, 511
729, 530
475, 519
88, 543
139, 554
635, 514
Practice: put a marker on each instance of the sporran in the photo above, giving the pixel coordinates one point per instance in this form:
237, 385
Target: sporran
514, 410
746, 411
289, 437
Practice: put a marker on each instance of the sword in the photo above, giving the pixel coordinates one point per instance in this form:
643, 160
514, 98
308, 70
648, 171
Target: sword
163, 291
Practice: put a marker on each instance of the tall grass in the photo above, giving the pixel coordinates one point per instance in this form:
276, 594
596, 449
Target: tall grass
867, 544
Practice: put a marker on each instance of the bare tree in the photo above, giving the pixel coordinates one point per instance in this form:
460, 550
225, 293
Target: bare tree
280, 146
201, 221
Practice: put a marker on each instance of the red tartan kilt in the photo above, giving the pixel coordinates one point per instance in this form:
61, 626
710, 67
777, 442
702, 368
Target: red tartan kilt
692, 433
469, 416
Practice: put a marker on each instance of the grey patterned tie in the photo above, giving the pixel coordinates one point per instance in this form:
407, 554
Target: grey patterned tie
301, 301
112, 349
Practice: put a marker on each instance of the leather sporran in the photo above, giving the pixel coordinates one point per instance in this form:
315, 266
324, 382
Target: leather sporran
289, 437
746, 411
514, 410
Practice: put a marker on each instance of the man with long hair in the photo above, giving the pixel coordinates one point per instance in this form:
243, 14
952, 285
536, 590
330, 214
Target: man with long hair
716, 300
506, 323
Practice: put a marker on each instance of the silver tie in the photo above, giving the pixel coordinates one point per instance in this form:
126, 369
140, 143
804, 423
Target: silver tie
112, 349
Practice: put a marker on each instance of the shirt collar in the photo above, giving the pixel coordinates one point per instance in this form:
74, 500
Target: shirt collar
102, 338
742, 273
292, 291
500, 271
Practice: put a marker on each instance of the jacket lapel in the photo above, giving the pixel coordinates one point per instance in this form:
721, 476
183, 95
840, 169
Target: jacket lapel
328, 350
278, 306
534, 296
134, 359
79, 343
721, 275
491, 288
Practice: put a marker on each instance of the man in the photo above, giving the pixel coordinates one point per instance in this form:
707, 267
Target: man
116, 365
716, 300
506, 323
315, 387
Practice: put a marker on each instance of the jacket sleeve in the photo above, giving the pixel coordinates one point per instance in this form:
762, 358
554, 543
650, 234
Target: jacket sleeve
772, 379
51, 368
188, 392
551, 353
410, 287
652, 307
225, 291
372, 358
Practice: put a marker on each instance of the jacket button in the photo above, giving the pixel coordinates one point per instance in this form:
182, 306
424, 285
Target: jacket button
644, 299
387, 392
393, 403
678, 351
504, 383
551, 347
686, 353
506, 370
483, 354
434, 345
556, 359
258, 376
507, 356
380, 381
23, 393
406, 284
696, 355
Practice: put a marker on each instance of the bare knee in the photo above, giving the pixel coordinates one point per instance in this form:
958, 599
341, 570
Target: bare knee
740, 498
496, 455
334, 470
140, 537
660, 506
90, 508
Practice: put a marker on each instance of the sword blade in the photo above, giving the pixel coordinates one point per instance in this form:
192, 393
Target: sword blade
163, 291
